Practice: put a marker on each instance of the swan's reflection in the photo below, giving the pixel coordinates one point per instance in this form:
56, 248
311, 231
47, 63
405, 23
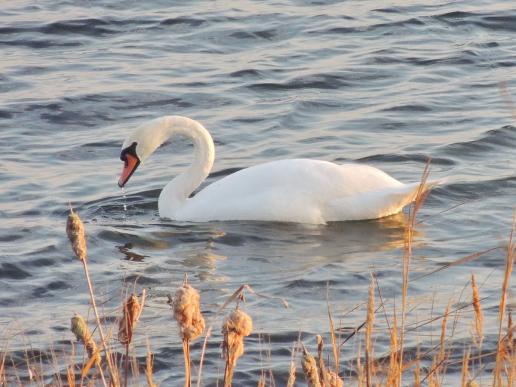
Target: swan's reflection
200, 248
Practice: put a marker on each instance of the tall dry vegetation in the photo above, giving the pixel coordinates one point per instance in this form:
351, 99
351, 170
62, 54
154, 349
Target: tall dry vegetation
103, 364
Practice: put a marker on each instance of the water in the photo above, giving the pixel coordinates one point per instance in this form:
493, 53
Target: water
338, 81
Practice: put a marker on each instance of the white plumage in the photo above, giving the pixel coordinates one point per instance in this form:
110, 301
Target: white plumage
293, 190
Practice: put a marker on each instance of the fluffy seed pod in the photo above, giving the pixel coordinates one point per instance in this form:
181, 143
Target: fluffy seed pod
82, 333
187, 312
332, 379
237, 325
310, 369
76, 234
129, 320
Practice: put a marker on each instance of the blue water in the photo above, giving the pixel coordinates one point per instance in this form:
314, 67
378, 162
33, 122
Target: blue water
386, 85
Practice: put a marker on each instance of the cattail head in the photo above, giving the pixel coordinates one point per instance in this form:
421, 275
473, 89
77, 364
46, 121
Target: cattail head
187, 312
128, 322
237, 325
80, 328
332, 379
310, 369
76, 234
82, 333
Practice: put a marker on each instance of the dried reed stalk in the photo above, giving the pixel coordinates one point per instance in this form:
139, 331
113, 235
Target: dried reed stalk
479, 317
393, 370
149, 366
420, 198
292, 370
187, 312
126, 326
77, 237
261, 380
417, 372
500, 355
442, 341
369, 336
511, 354
335, 347
465, 369
310, 369
236, 326
70, 376
320, 360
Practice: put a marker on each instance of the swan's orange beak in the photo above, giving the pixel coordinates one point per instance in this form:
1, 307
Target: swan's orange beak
130, 164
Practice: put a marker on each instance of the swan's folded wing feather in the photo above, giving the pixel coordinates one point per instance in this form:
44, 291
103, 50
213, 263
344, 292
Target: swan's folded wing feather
372, 204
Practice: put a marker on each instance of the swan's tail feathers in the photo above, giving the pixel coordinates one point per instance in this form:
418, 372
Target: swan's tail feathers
376, 204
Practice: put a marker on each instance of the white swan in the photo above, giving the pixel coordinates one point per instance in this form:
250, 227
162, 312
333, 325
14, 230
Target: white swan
295, 190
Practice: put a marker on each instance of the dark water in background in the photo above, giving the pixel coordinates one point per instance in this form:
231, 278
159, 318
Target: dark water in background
339, 81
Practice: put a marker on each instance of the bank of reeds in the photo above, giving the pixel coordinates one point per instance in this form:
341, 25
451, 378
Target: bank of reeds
106, 366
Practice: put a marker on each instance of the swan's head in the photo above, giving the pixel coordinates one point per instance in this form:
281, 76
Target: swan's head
140, 145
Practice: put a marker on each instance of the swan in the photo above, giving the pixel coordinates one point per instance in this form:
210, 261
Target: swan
292, 190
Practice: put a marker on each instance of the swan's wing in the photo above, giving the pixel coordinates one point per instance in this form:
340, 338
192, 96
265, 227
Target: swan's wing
373, 204
299, 190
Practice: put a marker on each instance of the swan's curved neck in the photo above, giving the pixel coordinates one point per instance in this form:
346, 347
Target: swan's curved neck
177, 191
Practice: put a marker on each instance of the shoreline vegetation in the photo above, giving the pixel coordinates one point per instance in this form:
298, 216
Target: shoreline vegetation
321, 366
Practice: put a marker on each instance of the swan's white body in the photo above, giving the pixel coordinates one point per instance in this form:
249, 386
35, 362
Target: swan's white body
296, 190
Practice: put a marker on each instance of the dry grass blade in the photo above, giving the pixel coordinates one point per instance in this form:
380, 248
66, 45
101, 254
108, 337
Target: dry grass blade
70, 376
320, 360
465, 369
500, 353
261, 380
442, 342
417, 371
236, 326
336, 354
149, 367
421, 195
467, 258
292, 371
238, 294
479, 317
393, 370
369, 335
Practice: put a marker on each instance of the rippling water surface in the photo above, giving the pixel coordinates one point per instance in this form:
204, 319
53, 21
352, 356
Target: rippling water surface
340, 81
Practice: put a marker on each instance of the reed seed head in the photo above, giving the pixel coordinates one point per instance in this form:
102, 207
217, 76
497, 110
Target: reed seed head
310, 369
82, 333
76, 234
187, 312
130, 318
237, 325
332, 379
80, 328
